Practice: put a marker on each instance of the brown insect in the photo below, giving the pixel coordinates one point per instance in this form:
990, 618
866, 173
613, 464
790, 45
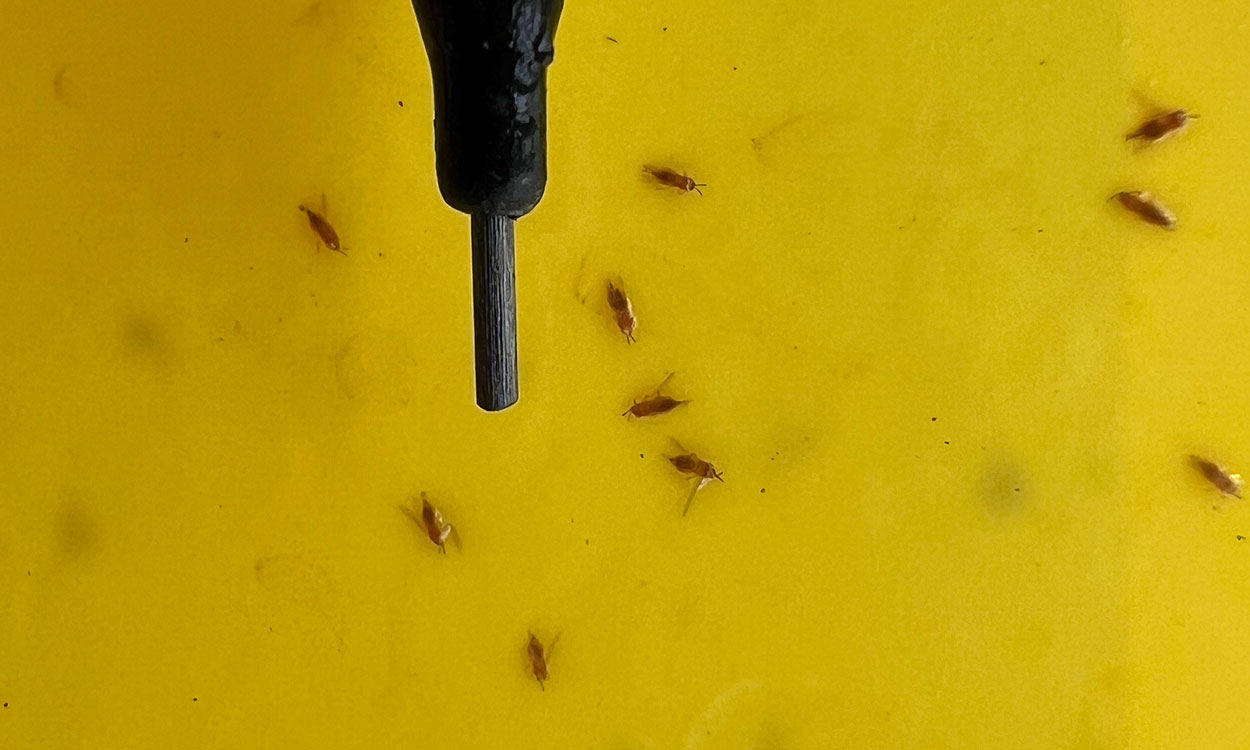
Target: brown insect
538, 656
1161, 126
1145, 206
1229, 484
322, 228
674, 179
429, 519
689, 463
654, 404
622, 311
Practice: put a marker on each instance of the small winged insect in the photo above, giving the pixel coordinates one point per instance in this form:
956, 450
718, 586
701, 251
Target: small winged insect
622, 311
1145, 206
702, 471
1161, 126
322, 227
674, 179
539, 656
655, 403
1218, 476
431, 521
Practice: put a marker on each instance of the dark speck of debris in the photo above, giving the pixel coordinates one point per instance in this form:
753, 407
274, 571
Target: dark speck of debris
1017, 489
1240, 538
401, 102
735, 67
184, 240
6, 704
664, 29
947, 442
1040, 231
761, 490
610, 39
195, 700
251, 268
932, 419
641, 456
587, 542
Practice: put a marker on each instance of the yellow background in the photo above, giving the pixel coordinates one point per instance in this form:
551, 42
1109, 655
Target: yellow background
951, 388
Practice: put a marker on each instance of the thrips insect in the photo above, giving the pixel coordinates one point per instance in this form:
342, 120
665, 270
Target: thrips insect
431, 520
622, 311
674, 179
322, 228
655, 403
539, 656
1145, 206
704, 472
1161, 126
1229, 484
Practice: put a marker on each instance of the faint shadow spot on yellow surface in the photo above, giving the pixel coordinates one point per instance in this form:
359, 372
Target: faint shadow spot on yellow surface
581, 284
313, 15
63, 86
142, 336
76, 530
347, 368
1004, 489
